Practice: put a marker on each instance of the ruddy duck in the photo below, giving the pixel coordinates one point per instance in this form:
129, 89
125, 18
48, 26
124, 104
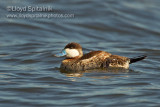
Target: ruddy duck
76, 61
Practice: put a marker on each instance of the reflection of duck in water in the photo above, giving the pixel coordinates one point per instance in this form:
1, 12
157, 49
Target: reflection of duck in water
76, 61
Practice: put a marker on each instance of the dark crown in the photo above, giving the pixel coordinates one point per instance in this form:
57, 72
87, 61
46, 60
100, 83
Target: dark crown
73, 45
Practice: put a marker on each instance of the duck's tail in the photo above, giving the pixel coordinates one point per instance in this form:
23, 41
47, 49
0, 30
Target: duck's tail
133, 60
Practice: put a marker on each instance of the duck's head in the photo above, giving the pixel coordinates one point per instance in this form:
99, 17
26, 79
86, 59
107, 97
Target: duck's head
71, 50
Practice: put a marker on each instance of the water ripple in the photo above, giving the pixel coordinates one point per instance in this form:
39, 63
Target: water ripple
30, 74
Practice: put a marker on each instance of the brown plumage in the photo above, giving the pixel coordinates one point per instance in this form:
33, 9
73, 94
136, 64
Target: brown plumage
94, 60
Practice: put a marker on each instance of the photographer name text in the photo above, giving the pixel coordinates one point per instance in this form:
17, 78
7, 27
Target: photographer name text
29, 8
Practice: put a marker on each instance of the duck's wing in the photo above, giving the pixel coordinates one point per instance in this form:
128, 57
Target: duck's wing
117, 61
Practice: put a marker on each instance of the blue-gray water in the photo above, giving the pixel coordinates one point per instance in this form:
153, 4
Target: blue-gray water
29, 73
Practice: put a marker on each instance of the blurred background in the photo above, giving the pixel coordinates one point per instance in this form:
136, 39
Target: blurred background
29, 73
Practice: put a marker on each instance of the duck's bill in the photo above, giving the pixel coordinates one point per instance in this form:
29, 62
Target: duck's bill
63, 53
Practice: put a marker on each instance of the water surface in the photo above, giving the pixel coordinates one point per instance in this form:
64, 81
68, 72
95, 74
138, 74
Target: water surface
30, 75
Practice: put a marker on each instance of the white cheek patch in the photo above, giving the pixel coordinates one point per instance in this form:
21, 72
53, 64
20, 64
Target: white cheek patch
72, 53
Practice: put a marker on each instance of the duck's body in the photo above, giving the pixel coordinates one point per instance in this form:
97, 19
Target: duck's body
76, 61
